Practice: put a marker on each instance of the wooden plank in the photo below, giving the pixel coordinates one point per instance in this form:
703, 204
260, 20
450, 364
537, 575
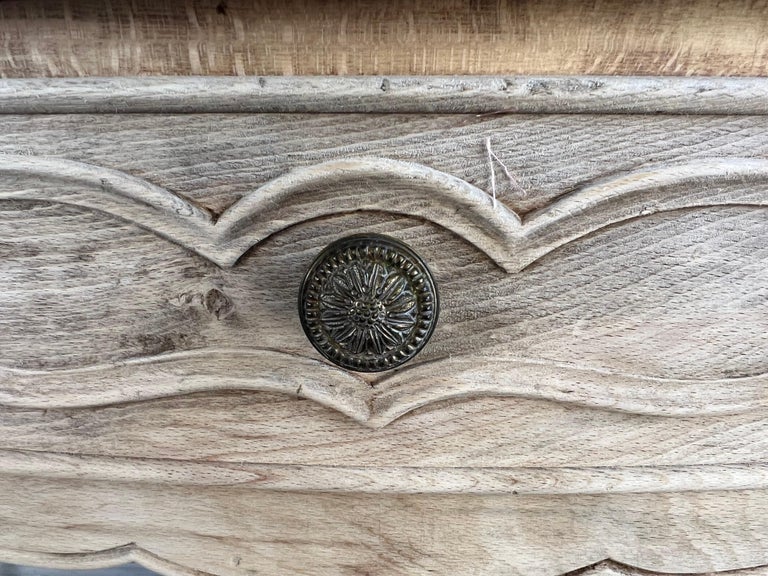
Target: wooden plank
480, 95
238, 37
380, 478
160, 397
241, 428
235, 530
681, 197
544, 330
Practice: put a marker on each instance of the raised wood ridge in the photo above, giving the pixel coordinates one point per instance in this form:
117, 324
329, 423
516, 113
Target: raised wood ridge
433, 95
135, 553
597, 388
471, 213
511, 241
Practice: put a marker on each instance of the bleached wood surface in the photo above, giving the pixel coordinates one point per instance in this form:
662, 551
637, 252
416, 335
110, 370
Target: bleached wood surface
595, 388
387, 94
236, 530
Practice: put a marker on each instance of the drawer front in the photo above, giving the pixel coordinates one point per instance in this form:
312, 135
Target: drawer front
597, 371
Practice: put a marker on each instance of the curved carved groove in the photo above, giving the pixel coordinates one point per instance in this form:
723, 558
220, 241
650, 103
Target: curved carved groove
416, 386
396, 187
415, 190
610, 567
379, 185
303, 194
178, 373
117, 193
625, 197
388, 398
100, 559
135, 553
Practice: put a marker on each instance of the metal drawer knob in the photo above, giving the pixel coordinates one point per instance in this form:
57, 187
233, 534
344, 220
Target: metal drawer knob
368, 303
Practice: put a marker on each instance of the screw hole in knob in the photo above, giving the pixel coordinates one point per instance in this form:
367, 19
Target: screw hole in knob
368, 303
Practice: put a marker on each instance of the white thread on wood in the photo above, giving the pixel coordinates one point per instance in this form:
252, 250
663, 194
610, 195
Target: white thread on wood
508, 174
512, 180
492, 171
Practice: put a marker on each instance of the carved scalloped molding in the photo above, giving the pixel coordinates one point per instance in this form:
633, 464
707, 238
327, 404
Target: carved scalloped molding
100, 559
390, 397
308, 193
134, 553
613, 568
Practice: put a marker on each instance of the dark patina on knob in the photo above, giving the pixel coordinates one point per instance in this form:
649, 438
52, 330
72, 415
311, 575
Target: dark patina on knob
368, 303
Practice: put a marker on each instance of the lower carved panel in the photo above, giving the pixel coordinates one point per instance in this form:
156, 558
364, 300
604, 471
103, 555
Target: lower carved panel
611, 568
235, 531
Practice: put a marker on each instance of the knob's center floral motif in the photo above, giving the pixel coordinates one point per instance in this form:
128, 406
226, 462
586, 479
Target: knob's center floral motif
368, 303
368, 306
368, 313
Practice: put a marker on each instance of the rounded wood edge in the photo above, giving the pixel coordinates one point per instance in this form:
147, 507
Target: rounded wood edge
382, 94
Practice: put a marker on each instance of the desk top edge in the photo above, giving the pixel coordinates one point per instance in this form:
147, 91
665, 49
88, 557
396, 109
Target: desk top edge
387, 94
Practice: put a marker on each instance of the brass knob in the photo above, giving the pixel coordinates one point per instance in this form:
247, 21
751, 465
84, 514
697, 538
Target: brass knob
368, 303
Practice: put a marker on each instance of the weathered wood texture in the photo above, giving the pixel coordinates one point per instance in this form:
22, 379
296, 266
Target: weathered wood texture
595, 388
240, 37
601, 337
485, 95
611, 568
235, 531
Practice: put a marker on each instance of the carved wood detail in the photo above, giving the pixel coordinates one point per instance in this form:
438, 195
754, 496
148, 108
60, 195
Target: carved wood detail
400, 188
134, 553
596, 388
282, 532
404, 188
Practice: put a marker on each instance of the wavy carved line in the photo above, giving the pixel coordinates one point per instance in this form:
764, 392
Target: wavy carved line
397, 187
134, 553
303, 194
387, 398
186, 372
421, 384
379, 185
127, 197
100, 559
412, 189
610, 567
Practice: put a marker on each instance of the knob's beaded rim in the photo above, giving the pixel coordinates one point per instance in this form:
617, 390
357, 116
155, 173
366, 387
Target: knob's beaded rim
368, 303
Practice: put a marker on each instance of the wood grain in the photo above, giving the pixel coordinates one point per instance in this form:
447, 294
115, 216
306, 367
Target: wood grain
248, 428
235, 530
237, 37
611, 568
613, 360
593, 398
318, 454
549, 155
481, 95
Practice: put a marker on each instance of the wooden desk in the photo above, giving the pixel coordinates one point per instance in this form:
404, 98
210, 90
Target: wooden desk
593, 397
